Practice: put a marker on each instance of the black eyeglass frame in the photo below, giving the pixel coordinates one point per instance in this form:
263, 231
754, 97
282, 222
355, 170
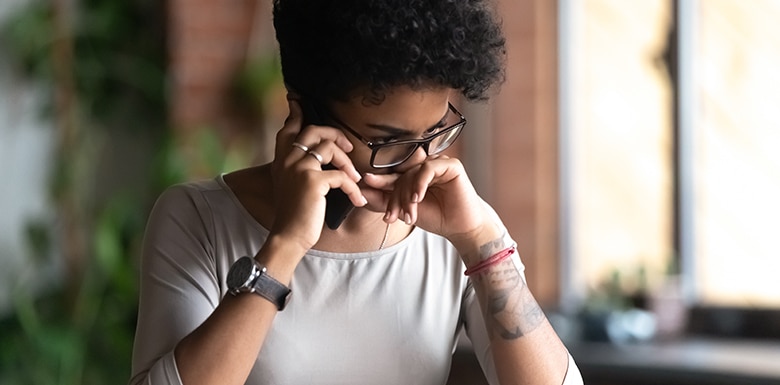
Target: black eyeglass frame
424, 143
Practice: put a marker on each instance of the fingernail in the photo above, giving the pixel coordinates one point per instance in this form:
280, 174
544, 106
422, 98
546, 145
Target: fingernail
365, 201
387, 216
356, 176
408, 219
415, 198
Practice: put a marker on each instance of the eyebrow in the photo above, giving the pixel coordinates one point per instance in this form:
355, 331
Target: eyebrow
400, 131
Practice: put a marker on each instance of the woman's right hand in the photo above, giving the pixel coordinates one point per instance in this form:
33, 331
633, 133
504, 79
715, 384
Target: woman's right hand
300, 184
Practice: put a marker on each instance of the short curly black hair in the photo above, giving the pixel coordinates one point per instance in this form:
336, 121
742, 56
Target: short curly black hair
331, 48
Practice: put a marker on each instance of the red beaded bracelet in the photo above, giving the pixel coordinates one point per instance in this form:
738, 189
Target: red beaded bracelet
494, 259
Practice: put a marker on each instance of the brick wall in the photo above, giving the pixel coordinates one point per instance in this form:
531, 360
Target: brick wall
208, 43
525, 142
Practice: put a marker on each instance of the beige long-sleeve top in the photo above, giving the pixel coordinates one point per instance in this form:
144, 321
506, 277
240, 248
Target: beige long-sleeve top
391, 316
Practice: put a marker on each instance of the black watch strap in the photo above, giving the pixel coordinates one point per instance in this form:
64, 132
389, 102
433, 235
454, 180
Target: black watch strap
271, 289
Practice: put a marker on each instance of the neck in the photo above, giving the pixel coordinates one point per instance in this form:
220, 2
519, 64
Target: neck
363, 230
360, 220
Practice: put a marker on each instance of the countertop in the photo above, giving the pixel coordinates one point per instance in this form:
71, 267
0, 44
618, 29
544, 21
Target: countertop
700, 361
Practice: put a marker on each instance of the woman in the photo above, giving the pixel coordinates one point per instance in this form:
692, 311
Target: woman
242, 282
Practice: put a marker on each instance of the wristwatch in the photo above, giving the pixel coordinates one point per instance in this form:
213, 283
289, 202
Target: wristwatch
246, 275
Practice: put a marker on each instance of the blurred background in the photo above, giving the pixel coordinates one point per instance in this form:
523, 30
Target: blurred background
632, 152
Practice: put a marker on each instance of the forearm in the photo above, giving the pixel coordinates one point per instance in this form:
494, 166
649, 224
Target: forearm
224, 348
525, 348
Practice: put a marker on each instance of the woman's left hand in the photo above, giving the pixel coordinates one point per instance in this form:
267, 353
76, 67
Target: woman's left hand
435, 195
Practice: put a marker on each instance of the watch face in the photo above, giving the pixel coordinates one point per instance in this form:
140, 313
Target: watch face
241, 273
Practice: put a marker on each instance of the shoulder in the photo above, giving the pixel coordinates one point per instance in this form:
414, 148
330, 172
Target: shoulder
188, 195
235, 199
191, 188
183, 206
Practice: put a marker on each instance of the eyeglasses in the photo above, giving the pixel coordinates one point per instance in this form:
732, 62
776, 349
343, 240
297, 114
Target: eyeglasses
393, 153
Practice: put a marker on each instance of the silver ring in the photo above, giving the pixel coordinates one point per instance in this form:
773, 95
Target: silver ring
300, 146
316, 155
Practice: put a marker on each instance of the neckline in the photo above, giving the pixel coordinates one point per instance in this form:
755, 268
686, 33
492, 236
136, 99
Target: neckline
392, 249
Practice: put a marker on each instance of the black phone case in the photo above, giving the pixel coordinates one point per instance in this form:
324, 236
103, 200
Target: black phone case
338, 205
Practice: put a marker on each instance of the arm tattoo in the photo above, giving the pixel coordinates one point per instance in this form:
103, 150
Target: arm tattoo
492, 247
510, 309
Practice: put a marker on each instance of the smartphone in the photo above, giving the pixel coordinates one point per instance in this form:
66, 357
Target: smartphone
338, 206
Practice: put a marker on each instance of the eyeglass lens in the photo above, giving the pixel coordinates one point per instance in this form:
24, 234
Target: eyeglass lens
391, 155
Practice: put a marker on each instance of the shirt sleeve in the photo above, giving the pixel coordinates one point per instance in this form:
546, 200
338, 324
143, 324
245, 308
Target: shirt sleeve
179, 288
573, 375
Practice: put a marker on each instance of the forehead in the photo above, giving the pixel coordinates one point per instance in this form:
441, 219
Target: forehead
401, 107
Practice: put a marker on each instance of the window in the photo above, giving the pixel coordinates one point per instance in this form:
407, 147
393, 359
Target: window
617, 121
671, 157
729, 102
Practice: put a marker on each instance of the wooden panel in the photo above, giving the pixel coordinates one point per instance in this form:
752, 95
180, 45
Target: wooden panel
525, 141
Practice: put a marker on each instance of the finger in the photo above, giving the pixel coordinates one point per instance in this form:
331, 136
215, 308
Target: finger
291, 128
317, 151
419, 185
413, 186
387, 183
316, 155
293, 132
403, 201
301, 147
410, 213
329, 153
294, 121
313, 135
407, 209
297, 152
393, 210
341, 161
441, 170
377, 199
384, 182
340, 180
396, 202
398, 207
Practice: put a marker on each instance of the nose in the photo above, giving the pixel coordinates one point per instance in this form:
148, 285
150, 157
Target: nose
417, 157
